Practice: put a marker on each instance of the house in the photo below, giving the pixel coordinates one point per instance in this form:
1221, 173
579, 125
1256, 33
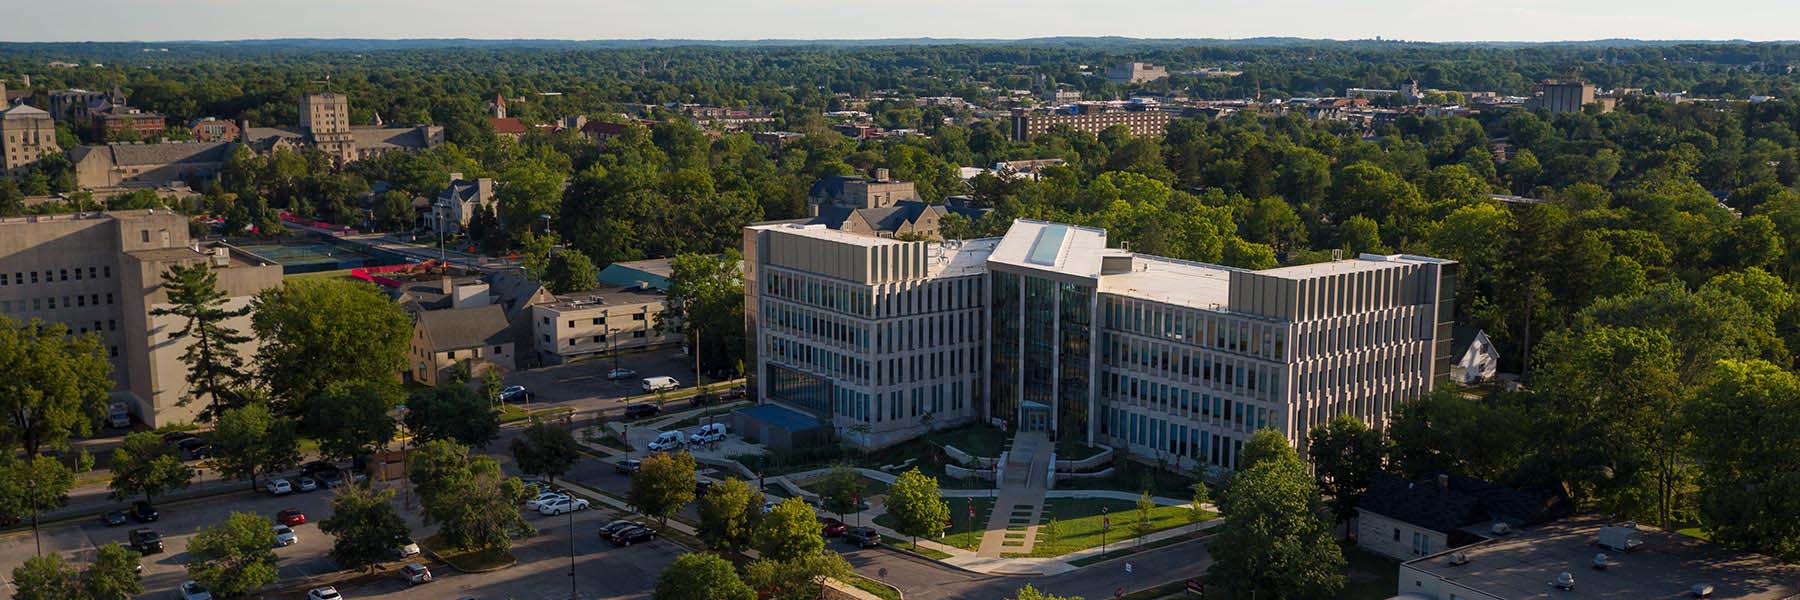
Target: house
598, 322
1523, 564
1474, 357
461, 201
1406, 519
850, 191
475, 337
905, 219
508, 127
213, 129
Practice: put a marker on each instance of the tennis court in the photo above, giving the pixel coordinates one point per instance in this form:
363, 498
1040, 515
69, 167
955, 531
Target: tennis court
311, 257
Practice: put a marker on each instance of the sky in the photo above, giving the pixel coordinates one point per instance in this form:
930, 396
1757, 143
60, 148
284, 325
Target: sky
1420, 20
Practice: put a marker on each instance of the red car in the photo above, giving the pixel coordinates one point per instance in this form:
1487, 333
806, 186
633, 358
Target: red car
833, 527
290, 517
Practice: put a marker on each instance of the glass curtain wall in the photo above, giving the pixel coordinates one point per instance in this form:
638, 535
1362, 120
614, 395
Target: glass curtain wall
1075, 305
1039, 358
1004, 346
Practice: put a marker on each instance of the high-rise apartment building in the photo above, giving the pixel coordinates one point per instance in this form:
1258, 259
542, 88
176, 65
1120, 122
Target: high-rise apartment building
1163, 357
1562, 95
26, 134
326, 117
1136, 72
101, 273
1088, 118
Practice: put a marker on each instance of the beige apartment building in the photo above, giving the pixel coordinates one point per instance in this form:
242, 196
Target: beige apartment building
1136, 72
600, 322
1088, 118
326, 115
26, 134
101, 273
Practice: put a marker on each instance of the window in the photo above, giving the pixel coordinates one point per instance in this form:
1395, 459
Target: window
638, 317
597, 339
571, 324
497, 350
144, 236
452, 355
599, 321
637, 334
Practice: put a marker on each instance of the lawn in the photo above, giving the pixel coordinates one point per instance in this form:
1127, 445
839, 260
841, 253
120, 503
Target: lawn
978, 440
1079, 524
1070, 448
510, 413
1130, 550
906, 545
1134, 477
879, 589
870, 487
469, 562
959, 534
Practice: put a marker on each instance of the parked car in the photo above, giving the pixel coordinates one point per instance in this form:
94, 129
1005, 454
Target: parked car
657, 384
316, 467
562, 505
862, 537
406, 547
175, 437
146, 541
291, 517
635, 534
330, 479
639, 411
736, 393
305, 484
832, 527
113, 518
701, 486
544, 498
608, 529
709, 433
192, 447
191, 590
118, 416
323, 593
668, 440
279, 487
415, 574
515, 393
285, 536
620, 373
143, 512
628, 466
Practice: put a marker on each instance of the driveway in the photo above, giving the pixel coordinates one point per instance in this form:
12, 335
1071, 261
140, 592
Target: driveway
923, 579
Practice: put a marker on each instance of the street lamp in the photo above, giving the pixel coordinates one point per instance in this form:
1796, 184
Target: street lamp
441, 207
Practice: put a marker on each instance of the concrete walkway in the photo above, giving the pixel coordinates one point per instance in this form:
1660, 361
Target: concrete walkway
1012, 527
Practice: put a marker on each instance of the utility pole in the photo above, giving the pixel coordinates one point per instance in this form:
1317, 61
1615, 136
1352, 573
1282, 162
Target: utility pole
571, 513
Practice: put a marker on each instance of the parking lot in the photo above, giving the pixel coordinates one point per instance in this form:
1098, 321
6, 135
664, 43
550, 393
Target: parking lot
586, 380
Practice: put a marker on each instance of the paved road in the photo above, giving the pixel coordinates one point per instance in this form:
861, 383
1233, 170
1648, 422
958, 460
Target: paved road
923, 579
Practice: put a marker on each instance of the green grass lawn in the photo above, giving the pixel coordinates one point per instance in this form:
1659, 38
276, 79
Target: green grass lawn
959, 534
880, 590
907, 545
1079, 523
1135, 477
1370, 576
510, 413
978, 440
1069, 448
870, 487
1129, 550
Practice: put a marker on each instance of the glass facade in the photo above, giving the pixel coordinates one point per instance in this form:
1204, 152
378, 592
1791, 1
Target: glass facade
1075, 325
1004, 348
800, 389
1040, 343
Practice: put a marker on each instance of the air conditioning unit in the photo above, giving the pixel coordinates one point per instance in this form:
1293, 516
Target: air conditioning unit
1564, 581
1459, 559
1500, 528
1701, 590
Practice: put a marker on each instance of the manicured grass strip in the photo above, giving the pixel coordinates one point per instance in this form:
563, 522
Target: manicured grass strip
512, 414
1129, 550
879, 589
480, 561
1078, 524
959, 535
906, 545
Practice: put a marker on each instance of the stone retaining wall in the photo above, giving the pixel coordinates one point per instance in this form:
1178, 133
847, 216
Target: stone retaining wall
1100, 474
1103, 458
965, 473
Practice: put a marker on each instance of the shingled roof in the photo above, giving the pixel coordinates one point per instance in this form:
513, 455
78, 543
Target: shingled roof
459, 328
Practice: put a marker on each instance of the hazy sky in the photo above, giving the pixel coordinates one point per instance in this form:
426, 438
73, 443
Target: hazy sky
1427, 20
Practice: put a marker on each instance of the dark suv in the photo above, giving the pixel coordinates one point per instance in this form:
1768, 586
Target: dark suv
143, 512
862, 537
639, 411
146, 541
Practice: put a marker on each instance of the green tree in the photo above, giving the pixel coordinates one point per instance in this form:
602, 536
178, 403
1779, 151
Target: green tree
143, 464
1032, 593
215, 371
1140, 526
1746, 467
32, 485
46, 577
113, 576
663, 484
234, 557
1197, 512
1262, 447
364, 527
1346, 455
728, 515
53, 384
546, 450
789, 531
528, 190
918, 508
797, 579
701, 576
570, 271
452, 412
319, 331
393, 211
351, 418
1275, 541
839, 489
252, 442
474, 504
706, 302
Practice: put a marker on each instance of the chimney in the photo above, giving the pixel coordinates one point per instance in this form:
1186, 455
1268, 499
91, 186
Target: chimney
447, 285
243, 131
484, 190
881, 174
455, 177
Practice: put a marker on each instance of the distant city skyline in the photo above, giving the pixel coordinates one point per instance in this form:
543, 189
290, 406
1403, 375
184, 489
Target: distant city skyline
1417, 20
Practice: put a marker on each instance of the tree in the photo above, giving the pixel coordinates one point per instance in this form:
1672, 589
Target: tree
1275, 542
797, 579
1141, 526
663, 484
394, 211
839, 489
46, 577
1263, 447
53, 384
570, 271
364, 527
474, 504
701, 576
1197, 512
728, 515
918, 508
1032, 593
1746, 467
215, 371
350, 418
789, 531
706, 301
113, 576
252, 442
234, 557
545, 449
31, 485
143, 464
319, 331
1346, 455
452, 412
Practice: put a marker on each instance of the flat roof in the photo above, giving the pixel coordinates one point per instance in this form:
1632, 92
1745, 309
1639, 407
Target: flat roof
1056, 247
1178, 282
1364, 262
1523, 564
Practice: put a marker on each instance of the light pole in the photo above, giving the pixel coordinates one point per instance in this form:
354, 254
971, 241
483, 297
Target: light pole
571, 513
441, 207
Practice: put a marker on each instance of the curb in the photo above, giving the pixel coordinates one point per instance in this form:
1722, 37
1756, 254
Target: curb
893, 548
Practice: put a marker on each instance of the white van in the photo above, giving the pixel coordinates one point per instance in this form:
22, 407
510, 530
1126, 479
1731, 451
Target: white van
708, 433
657, 384
668, 440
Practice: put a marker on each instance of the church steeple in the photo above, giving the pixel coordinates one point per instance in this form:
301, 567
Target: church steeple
499, 106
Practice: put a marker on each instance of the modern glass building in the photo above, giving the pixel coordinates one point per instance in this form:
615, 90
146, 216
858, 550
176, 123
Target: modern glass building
1165, 358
